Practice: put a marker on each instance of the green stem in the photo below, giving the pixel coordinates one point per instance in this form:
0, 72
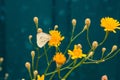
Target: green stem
36, 26
113, 55
88, 37
67, 67
58, 70
47, 67
46, 55
32, 64
52, 76
78, 34
70, 39
74, 68
68, 46
106, 35
95, 62
38, 57
30, 74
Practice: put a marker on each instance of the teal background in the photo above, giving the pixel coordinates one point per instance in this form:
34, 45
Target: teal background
16, 24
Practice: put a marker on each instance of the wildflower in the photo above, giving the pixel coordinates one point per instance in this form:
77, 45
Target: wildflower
110, 24
59, 58
56, 38
40, 78
76, 53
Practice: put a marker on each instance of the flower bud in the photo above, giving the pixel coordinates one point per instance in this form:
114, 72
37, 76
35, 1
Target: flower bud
39, 30
90, 54
114, 48
23, 79
35, 19
30, 37
35, 74
27, 65
94, 44
79, 45
104, 77
74, 22
32, 54
6, 76
55, 27
1, 59
87, 21
103, 50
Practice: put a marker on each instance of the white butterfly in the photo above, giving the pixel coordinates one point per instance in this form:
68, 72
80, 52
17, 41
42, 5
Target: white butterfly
42, 39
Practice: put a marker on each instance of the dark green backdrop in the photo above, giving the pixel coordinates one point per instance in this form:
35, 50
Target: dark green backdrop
16, 23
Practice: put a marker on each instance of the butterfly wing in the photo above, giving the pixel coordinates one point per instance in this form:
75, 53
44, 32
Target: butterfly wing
42, 39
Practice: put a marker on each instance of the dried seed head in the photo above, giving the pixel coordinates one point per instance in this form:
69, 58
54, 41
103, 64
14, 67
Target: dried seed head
39, 30
74, 22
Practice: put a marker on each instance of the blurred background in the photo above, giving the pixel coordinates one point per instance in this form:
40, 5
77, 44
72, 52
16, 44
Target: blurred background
16, 24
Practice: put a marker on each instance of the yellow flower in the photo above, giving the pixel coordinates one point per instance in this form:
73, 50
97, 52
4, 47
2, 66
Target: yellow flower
76, 53
56, 38
110, 24
59, 58
40, 78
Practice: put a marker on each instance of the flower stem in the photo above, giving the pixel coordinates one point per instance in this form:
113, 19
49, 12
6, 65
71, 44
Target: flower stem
32, 64
88, 37
74, 68
106, 35
38, 57
46, 55
78, 35
52, 75
47, 67
70, 39
58, 70
30, 74
113, 55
